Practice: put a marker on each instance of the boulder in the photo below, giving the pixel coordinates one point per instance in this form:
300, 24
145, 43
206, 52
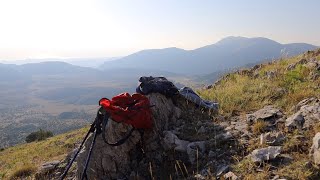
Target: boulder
172, 139
265, 154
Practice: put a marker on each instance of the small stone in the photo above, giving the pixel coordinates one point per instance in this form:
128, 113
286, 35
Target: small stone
199, 176
48, 166
230, 176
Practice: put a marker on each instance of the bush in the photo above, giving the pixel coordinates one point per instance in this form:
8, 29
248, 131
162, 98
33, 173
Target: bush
38, 136
24, 171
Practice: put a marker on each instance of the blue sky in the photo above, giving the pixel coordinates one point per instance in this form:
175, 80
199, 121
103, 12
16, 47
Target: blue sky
104, 28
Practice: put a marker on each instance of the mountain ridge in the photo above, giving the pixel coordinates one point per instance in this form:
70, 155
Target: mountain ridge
227, 53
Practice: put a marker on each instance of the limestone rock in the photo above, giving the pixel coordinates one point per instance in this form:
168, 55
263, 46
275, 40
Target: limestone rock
265, 154
268, 113
171, 141
49, 166
272, 138
295, 121
172, 135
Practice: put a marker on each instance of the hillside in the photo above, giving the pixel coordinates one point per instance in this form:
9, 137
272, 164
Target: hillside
228, 53
283, 84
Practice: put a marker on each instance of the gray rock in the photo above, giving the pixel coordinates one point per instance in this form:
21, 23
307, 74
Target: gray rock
295, 121
202, 129
291, 67
311, 114
171, 141
195, 150
48, 166
230, 176
266, 113
265, 154
315, 149
272, 138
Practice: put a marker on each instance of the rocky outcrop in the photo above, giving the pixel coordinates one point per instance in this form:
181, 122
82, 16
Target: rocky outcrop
170, 141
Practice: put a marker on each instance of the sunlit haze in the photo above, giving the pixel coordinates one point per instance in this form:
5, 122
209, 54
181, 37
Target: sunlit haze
102, 28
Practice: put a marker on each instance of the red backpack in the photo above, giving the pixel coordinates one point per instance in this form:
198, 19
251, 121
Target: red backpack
134, 110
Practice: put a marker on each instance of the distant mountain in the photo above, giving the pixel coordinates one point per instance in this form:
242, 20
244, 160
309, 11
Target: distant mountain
230, 52
83, 62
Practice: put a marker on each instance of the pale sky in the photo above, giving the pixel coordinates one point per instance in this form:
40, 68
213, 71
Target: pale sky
105, 28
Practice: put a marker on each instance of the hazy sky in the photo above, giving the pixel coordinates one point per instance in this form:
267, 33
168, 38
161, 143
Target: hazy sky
103, 28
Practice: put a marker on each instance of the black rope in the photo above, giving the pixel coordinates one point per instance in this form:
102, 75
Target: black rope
121, 141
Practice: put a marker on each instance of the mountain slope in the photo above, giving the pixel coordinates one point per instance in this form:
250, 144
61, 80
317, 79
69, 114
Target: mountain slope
230, 52
281, 83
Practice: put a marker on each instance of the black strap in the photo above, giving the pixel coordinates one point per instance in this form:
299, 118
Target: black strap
122, 140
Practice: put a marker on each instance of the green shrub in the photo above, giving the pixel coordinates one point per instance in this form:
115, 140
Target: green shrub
38, 136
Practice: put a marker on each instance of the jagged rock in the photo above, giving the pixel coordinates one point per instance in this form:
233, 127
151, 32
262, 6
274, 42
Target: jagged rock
230, 176
171, 141
48, 166
195, 150
294, 65
290, 67
312, 64
303, 103
311, 113
268, 113
173, 128
46, 169
315, 149
265, 154
295, 121
270, 74
272, 138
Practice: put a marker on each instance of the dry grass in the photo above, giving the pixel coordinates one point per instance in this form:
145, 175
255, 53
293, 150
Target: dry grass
23, 172
245, 93
259, 127
36, 153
